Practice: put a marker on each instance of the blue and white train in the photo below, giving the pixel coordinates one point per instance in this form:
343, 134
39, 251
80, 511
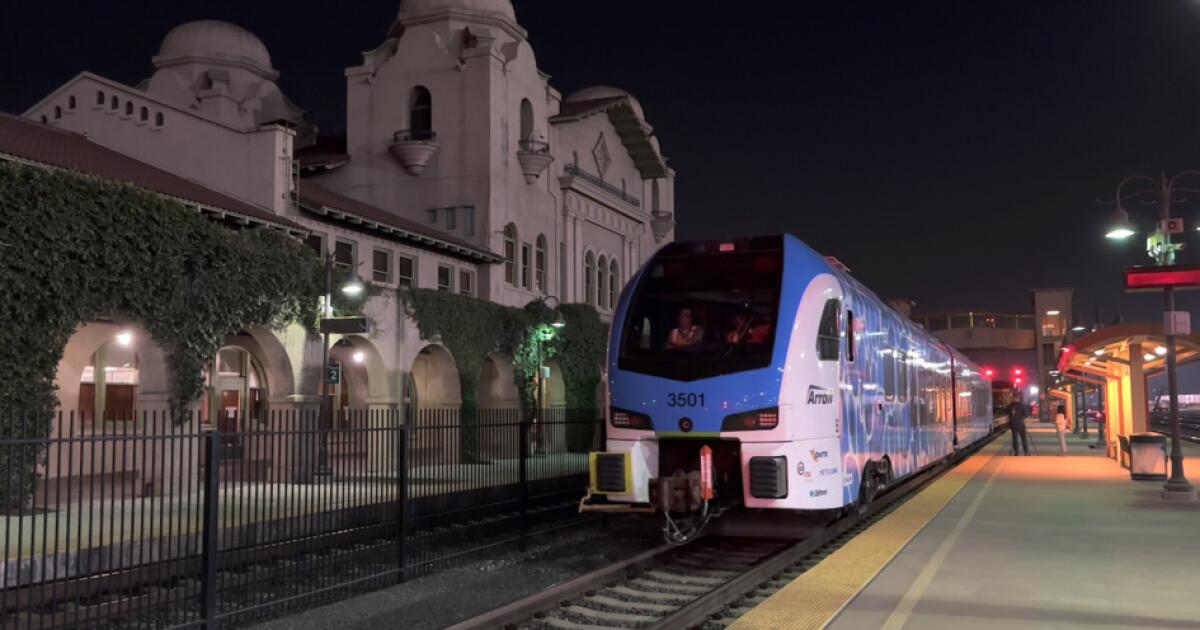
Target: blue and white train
809, 391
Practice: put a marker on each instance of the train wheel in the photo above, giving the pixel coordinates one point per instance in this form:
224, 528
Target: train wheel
868, 488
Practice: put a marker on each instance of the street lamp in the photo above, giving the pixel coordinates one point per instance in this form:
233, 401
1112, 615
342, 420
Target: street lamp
1159, 247
547, 329
351, 287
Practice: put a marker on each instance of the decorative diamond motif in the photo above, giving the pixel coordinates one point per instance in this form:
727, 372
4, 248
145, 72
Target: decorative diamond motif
600, 152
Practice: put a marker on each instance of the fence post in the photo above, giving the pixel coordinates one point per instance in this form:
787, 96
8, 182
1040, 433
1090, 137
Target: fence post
212, 480
402, 482
523, 479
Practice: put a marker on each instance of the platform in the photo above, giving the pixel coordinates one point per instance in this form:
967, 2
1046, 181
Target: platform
1011, 542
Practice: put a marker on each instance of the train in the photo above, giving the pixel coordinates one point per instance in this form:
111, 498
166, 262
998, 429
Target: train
755, 373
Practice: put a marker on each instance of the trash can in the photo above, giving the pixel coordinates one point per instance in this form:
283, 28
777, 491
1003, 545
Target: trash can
1148, 456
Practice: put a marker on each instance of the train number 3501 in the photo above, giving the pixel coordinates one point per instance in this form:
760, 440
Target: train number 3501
675, 399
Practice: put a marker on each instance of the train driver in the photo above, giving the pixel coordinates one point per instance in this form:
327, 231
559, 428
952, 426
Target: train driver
688, 333
740, 321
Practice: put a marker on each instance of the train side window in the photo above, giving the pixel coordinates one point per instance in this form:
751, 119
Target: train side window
889, 374
849, 335
827, 332
902, 376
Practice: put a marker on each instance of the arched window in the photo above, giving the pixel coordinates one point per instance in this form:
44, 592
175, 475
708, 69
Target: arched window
575, 159
526, 120
539, 263
114, 103
71, 102
143, 114
44, 121
510, 254
601, 294
158, 119
100, 97
654, 196
128, 108
589, 270
420, 114
57, 112
614, 283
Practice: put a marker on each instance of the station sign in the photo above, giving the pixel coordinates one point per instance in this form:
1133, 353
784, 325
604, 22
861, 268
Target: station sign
345, 325
1155, 278
333, 373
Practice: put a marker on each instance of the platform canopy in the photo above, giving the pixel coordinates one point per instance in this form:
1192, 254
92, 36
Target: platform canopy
1118, 359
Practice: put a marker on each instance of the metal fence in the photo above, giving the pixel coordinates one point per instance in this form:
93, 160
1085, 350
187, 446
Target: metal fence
152, 523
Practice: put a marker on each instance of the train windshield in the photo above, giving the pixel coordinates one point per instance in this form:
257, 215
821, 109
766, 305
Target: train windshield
699, 315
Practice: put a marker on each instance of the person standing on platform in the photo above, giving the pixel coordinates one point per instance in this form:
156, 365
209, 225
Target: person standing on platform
1060, 425
1016, 424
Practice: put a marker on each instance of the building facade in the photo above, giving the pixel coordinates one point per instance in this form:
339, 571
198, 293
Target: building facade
462, 169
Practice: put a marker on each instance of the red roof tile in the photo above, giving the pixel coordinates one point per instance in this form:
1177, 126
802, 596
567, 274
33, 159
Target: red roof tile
315, 197
43, 144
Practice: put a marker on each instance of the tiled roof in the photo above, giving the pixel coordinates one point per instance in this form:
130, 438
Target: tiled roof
320, 200
328, 152
573, 109
46, 145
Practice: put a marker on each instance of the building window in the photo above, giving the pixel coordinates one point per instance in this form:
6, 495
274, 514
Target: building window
344, 254
158, 119
431, 216
510, 254
1053, 324
526, 256
451, 219
589, 269
114, 103
128, 108
614, 279
466, 282
316, 242
406, 271
44, 120
654, 203
420, 114
71, 102
57, 112
445, 278
100, 97
526, 120
468, 220
601, 285
381, 266
539, 264
143, 114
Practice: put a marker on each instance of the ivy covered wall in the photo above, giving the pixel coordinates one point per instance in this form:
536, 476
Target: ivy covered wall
75, 248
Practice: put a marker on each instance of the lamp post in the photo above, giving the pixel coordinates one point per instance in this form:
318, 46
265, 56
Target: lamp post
545, 331
353, 288
1163, 190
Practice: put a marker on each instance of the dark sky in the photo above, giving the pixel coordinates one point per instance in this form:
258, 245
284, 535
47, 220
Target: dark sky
951, 152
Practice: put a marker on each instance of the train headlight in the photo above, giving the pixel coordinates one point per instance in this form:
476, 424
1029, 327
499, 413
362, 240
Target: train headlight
625, 419
757, 420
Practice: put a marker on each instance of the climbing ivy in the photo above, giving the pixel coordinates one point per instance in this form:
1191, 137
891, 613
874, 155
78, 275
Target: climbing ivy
74, 248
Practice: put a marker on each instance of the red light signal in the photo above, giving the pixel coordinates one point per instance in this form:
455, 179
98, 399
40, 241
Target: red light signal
989, 372
1018, 371
1018, 380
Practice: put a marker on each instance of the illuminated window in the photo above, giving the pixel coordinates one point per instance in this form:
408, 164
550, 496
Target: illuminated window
1053, 325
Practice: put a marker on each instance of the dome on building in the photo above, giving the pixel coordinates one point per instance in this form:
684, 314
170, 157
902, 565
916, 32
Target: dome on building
415, 8
214, 40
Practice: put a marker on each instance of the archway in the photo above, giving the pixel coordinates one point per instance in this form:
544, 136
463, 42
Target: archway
435, 382
434, 397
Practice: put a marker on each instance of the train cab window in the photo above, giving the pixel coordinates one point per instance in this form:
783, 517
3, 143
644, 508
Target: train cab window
827, 331
698, 314
849, 335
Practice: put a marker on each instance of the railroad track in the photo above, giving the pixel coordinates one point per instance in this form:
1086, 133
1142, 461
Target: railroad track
706, 584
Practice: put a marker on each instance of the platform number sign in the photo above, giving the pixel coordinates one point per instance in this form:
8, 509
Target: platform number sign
333, 373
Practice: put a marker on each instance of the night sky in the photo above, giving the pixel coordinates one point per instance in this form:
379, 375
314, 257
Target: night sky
948, 152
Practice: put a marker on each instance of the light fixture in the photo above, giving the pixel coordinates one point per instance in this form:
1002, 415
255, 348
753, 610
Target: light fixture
1160, 351
1033, 390
353, 286
1099, 352
1052, 313
1078, 327
125, 338
359, 357
1119, 227
559, 321
1149, 357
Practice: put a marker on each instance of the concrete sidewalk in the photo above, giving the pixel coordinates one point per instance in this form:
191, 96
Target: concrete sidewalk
1045, 541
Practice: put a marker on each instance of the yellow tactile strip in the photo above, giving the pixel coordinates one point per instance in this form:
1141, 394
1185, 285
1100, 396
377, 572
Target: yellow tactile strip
817, 595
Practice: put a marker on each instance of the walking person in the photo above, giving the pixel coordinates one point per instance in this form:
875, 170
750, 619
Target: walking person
1016, 424
1060, 425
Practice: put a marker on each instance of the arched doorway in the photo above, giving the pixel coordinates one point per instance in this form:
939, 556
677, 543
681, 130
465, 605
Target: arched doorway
434, 382
108, 384
434, 398
235, 399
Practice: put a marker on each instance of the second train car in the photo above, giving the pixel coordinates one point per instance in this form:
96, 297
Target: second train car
756, 373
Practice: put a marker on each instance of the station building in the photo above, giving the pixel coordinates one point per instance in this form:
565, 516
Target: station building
462, 169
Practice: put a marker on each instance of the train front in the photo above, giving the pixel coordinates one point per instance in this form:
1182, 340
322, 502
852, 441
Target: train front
706, 410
